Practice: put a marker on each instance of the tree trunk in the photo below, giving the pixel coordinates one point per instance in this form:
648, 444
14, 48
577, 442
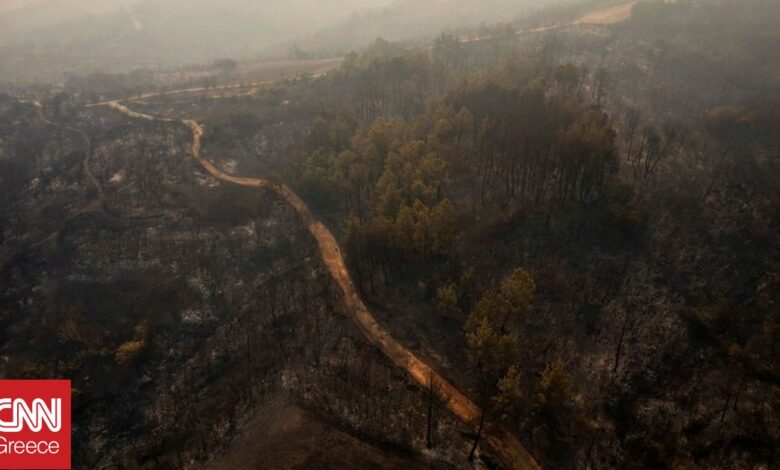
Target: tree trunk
428, 435
477, 438
619, 348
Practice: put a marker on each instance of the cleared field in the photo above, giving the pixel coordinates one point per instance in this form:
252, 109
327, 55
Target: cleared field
281, 68
610, 15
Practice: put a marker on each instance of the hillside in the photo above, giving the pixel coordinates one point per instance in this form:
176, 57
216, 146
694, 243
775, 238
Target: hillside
550, 241
21, 17
413, 20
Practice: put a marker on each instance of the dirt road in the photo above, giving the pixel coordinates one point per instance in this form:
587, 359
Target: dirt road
87, 143
511, 452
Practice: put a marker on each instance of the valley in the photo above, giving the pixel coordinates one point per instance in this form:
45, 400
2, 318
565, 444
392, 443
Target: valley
546, 241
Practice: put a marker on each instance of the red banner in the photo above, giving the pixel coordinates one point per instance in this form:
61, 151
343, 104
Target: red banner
35, 424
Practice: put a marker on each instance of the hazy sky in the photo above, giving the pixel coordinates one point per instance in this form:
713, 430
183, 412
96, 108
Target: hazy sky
76, 6
20, 16
45, 39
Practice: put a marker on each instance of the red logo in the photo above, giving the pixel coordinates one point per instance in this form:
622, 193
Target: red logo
35, 424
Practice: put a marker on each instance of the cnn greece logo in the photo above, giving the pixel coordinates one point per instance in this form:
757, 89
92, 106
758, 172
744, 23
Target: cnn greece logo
35, 424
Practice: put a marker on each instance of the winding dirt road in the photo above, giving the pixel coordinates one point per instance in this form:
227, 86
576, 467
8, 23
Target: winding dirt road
94, 205
508, 448
87, 143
